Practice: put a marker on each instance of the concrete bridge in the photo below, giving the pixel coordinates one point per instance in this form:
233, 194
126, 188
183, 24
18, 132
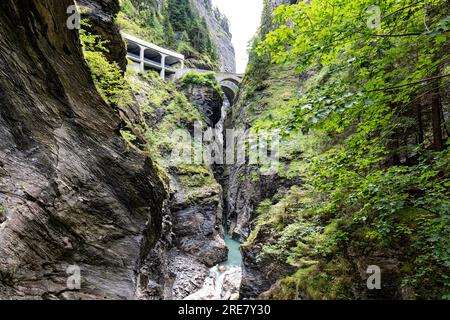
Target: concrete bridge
148, 56
228, 81
170, 64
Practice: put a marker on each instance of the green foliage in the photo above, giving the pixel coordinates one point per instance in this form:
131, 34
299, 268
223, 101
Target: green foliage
128, 8
172, 24
107, 76
185, 19
130, 26
2, 213
166, 110
129, 137
207, 79
331, 281
195, 176
197, 181
375, 178
146, 20
358, 59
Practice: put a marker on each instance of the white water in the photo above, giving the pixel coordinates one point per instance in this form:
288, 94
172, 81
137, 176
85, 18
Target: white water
221, 284
218, 278
224, 280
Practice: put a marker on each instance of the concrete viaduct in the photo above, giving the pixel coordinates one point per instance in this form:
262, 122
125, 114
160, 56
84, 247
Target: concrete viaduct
170, 64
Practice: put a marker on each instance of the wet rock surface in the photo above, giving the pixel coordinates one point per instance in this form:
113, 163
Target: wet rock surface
198, 224
259, 275
221, 284
190, 274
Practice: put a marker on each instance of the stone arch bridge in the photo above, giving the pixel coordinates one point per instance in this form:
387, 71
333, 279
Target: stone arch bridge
227, 80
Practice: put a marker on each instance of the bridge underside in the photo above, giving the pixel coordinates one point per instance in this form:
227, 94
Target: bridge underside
146, 56
230, 94
230, 89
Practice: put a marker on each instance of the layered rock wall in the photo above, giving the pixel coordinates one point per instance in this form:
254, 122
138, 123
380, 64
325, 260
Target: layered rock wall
220, 31
71, 192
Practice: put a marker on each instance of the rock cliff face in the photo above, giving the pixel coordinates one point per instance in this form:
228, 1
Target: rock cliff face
102, 14
246, 186
219, 27
71, 192
193, 235
263, 86
208, 101
192, 242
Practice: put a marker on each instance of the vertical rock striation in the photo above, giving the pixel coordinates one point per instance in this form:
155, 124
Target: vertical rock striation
71, 192
193, 237
220, 31
246, 186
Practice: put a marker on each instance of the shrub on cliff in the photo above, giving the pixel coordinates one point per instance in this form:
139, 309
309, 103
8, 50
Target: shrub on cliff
207, 79
107, 75
379, 174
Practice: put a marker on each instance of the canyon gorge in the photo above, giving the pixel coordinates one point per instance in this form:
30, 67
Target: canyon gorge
88, 179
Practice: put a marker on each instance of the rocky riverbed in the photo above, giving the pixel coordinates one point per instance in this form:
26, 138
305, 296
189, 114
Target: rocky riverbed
224, 280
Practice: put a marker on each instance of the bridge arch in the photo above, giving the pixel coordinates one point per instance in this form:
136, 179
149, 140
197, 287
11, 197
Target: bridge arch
230, 89
236, 78
230, 84
148, 55
227, 80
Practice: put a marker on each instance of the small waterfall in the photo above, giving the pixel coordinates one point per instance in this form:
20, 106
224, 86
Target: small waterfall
223, 283
218, 277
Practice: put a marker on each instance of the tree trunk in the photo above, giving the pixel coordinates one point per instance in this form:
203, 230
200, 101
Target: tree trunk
420, 134
436, 118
